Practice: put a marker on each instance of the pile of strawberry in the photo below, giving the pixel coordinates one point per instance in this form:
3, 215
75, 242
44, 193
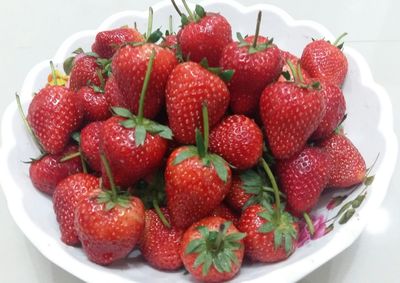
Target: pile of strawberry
179, 148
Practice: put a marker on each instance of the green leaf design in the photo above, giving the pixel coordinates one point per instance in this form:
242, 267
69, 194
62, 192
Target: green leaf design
347, 215
358, 200
329, 229
140, 135
123, 112
369, 180
183, 155
220, 166
343, 208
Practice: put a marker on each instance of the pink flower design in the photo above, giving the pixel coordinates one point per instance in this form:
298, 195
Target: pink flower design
304, 234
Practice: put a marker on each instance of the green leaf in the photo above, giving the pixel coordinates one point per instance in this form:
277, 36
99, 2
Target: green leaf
155, 36
161, 130
329, 229
235, 237
78, 51
267, 215
252, 50
110, 205
76, 136
123, 112
129, 123
207, 264
140, 135
227, 75
193, 245
267, 227
224, 261
200, 259
220, 166
288, 242
183, 155
92, 54
358, 200
184, 20
68, 64
200, 11
240, 37
204, 232
369, 180
347, 215
277, 238
344, 208
217, 265
200, 143
286, 75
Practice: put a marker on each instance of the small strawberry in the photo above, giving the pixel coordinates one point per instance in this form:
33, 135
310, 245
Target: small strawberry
238, 140
226, 213
348, 165
90, 144
189, 85
107, 42
48, 171
286, 72
212, 250
325, 61
303, 177
159, 244
53, 115
290, 112
196, 181
170, 40
203, 35
134, 145
67, 195
84, 72
113, 95
271, 232
109, 223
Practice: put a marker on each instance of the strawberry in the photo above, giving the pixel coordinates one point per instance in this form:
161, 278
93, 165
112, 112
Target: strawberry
90, 144
203, 35
48, 171
189, 85
325, 61
68, 193
113, 95
238, 140
196, 181
160, 245
303, 177
226, 213
348, 165
290, 112
170, 40
109, 223
135, 146
271, 232
84, 72
286, 72
107, 42
244, 102
212, 250
335, 110
94, 104
53, 115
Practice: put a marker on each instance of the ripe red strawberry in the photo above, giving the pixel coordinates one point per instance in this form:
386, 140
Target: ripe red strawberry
84, 72
203, 35
67, 195
290, 114
287, 56
335, 110
226, 213
196, 182
170, 40
113, 95
238, 140
160, 245
325, 61
90, 144
212, 250
48, 171
303, 177
94, 104
237, 196
53, 115
190, 85
244, 102
348, 165
107, 42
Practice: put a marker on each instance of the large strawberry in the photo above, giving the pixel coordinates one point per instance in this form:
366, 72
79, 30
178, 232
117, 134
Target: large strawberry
290, 112
189, 85
84, 71
134, 145
53, 115
303, 178
348, 165
90, 144
238, 140
212, 250
109, 223
271, 232
67, 195
325, 61
203, 35
107, 42
196, 181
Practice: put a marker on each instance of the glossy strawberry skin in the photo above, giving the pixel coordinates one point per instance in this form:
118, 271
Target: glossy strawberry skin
47, 172
170, 41
90, 144
84, 72
225, 212
94, 104
53, 115
238, 140
324, 61
290, 115
303, 178
129, 67
189, 86
212, 223
107, 42
193, 190
335, 110
113, 94
128, 161
205, 38
107, 236
159, 245
348, 167
67, 195
237, 196
260, 247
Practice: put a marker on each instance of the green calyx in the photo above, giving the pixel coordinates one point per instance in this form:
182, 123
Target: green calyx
193, 16
338, 42
201, 150
225, 75
215, 248
152, 37
298, 78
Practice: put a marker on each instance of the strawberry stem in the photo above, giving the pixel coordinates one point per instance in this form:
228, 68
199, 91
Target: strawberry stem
135, 25
257, 29
159, 212
336, 42
27, 126
299, 73
70, 156
220, 236
110, 176
149, 23
101, 78
206, 128
170, 28
53, 73
191, 16
271, 177
309, 223
294, 71
145, 86
84, 167
176, 8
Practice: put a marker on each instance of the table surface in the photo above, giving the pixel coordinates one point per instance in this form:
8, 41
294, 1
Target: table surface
31, 31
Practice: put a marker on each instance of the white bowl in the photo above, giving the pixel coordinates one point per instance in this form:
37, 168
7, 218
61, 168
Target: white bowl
369, 125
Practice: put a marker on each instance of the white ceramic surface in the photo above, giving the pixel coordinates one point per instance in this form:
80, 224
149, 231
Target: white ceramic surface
369, 125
